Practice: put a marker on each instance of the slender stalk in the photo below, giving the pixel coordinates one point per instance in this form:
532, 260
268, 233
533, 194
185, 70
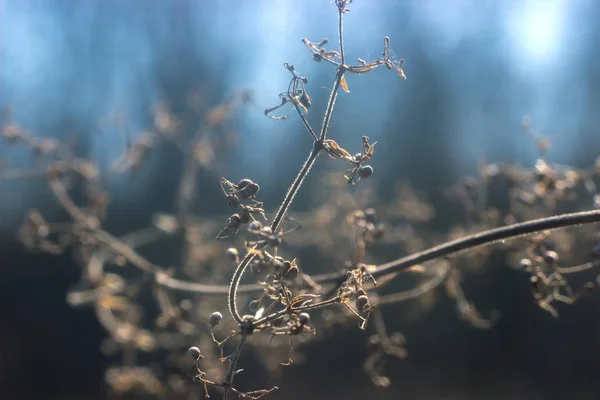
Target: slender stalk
470, 242
341, 9
443, 250
305, 122
331, 103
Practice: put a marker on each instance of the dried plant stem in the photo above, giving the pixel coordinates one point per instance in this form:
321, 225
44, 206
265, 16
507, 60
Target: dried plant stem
341, 11
305, 122
444, 250
488, 237
287, 201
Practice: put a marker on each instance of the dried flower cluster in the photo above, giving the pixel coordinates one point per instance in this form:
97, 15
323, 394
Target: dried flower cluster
285, 301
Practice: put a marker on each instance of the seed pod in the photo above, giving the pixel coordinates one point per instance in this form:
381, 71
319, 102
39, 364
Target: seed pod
379, 231
194, 352
233, 254
535, 283
234, 222
362, 302
274, 241
361, 292
256, 266
243, 183
373, 344
589, 288
551, 257
245, 218
370, 215
303, 318
525, 264
292, 273
215, 318
247, 189
255, 226
254, 305
365, 171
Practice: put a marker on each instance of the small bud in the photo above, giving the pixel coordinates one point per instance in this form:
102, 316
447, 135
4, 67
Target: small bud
365, 171
215, 318
303, 318
233, 254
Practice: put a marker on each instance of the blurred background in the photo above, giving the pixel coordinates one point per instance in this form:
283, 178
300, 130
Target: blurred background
95, 74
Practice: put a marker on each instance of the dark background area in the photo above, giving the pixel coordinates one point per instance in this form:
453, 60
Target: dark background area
474, 69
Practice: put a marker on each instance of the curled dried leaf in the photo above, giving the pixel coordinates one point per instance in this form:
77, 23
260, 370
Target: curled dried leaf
335, 151
344, 84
